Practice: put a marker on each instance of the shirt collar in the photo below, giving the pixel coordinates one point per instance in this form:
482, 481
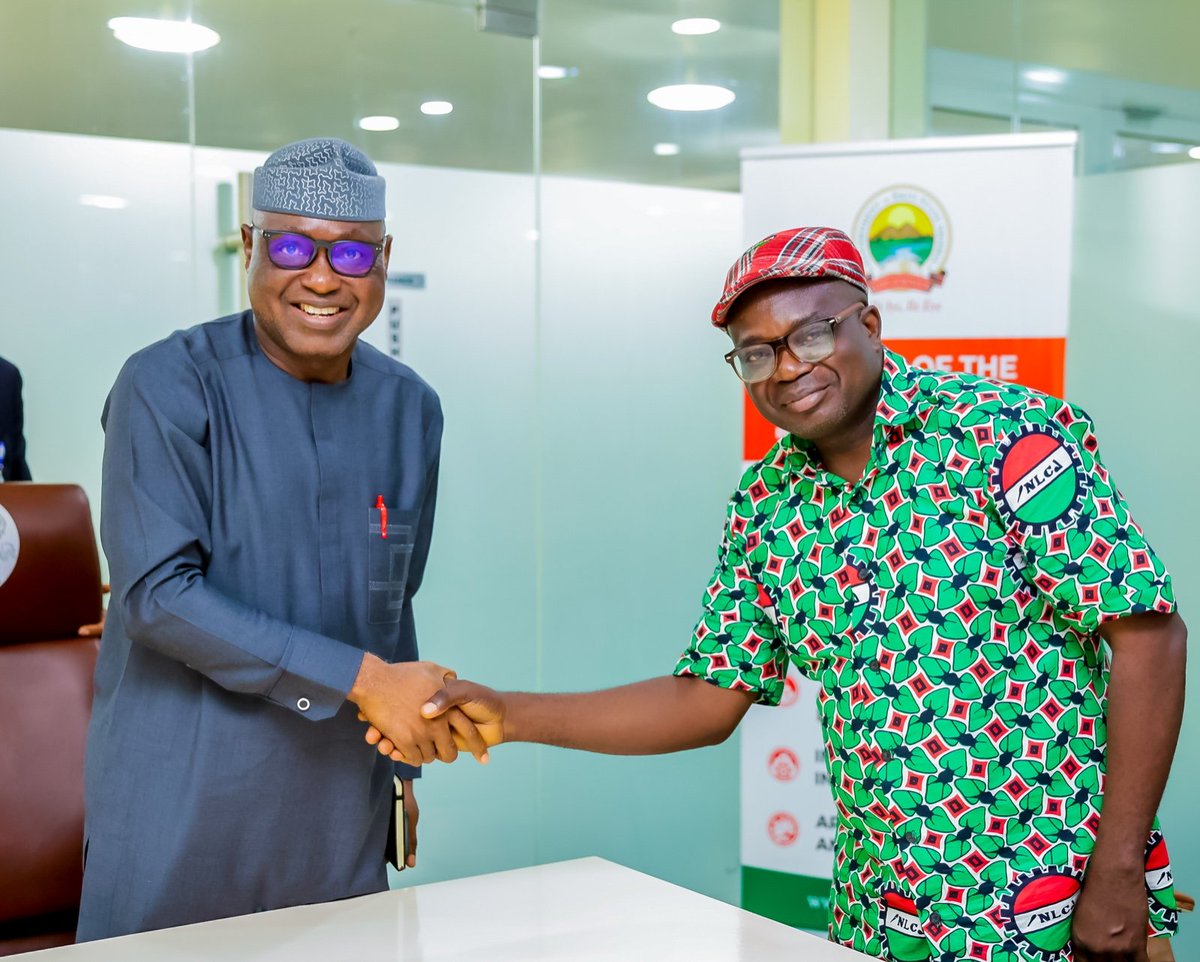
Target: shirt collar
902, 404
901, 400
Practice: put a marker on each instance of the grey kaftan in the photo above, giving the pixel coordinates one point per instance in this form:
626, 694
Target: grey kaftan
226, 772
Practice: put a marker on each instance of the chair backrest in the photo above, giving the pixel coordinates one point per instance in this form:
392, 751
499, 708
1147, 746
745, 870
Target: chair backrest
49, 586
49, 567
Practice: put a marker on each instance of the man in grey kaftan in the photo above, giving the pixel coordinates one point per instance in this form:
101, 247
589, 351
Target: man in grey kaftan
268, 500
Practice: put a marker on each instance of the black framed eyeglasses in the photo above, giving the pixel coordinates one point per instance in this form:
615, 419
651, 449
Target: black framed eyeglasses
291, 251
809, 341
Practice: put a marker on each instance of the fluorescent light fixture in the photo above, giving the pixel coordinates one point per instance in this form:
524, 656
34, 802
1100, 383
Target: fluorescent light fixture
549, 71
666, 150
1168, 147
1194, 153
1045, 75
165, 36
696, 26
379, 122
691, 97
103, 201
435, 108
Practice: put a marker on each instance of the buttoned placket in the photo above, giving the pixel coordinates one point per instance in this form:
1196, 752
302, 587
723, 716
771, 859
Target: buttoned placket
853, 497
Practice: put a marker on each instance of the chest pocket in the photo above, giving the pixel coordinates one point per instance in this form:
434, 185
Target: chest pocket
388, 560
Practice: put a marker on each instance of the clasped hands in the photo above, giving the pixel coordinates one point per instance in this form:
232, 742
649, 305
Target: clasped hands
418, 712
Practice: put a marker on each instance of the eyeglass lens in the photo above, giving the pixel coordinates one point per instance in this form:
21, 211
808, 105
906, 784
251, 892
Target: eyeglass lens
811, 343
293, 252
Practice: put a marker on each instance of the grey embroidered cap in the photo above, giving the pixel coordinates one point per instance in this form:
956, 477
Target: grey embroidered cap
323, 177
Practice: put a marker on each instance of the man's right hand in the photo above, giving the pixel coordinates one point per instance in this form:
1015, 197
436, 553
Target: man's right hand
476, 713
391, 697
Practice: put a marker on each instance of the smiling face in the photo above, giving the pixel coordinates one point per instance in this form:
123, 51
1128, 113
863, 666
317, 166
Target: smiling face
827, 402
308, 320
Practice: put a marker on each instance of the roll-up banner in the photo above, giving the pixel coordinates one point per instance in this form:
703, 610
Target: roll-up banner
967, 244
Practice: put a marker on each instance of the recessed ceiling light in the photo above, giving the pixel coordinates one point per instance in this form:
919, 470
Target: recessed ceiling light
436, 108
691, 97
1194, 153
379, 122
104, 201
549, 71
1045, 75
666, 150
696, 26
166, 36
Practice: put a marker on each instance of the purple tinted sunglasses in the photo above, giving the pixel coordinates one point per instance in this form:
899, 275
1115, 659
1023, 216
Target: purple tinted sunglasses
294, 252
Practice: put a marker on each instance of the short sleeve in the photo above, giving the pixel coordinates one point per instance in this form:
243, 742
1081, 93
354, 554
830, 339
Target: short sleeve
737, 642
1069, 526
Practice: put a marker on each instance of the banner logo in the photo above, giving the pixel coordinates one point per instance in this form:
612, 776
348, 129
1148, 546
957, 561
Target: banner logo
1039, 909
783, 764
1037, 479
904, 236
906, 941
783, 828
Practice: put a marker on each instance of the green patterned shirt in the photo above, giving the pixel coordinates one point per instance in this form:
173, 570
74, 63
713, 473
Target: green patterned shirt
948, 604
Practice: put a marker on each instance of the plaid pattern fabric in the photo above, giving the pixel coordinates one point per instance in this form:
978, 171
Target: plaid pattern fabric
802, 252
948, 604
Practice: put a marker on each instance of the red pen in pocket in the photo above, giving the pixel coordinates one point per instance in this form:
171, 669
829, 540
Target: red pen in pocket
382, 515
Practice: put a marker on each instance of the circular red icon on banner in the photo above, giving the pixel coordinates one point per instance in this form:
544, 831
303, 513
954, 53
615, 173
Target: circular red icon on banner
783, 828
783, 764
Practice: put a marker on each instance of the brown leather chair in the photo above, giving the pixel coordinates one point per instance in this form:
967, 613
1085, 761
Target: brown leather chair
49, 587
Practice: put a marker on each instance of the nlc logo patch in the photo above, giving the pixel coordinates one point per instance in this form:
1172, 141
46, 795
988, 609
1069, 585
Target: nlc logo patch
1160, 881
906, 940
1036, 480
1039, 909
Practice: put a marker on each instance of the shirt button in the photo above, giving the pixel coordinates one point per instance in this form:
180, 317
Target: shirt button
935, 918
886, 755
874, 664
303, 704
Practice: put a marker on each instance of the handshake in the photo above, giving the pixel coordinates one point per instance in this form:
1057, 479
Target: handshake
419, 712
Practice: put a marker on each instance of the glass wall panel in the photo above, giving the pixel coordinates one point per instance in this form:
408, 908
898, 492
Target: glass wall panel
1123, 74
97, 171
639, 416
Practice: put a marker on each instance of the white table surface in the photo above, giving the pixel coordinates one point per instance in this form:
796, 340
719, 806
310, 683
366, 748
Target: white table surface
585, 909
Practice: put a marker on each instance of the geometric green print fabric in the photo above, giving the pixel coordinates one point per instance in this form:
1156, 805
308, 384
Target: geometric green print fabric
947, 604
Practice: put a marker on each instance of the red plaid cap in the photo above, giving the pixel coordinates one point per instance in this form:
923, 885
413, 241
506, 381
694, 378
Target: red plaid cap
802, 252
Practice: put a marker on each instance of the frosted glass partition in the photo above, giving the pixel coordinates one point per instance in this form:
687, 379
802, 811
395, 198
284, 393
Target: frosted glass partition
100, 234
1131, 363
640, 419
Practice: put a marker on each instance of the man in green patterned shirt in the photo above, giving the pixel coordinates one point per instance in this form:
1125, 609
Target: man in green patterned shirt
946, 556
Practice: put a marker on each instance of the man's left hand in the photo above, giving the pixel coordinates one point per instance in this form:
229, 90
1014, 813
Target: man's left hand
1111, 918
